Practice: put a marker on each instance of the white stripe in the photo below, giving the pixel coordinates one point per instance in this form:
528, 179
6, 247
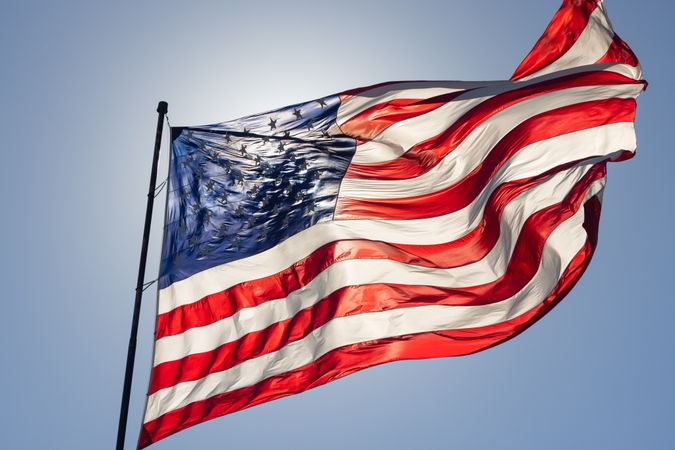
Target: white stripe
434, 230
567, 240
358, 272
401, 136
473, 150
592, 44
358, 103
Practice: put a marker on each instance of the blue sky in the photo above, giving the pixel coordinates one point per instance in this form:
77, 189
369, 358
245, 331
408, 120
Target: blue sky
80, 82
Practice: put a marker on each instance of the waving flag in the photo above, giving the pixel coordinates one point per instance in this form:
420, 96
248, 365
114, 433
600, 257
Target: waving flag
399, 221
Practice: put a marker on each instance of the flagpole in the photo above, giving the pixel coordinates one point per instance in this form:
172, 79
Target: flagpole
162, 109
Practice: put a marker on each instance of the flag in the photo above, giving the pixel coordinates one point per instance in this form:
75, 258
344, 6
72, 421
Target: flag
404, 220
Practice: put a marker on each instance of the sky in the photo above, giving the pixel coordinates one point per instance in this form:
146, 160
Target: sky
79, 85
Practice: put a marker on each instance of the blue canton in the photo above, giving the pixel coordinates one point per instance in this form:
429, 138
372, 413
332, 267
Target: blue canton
238, 188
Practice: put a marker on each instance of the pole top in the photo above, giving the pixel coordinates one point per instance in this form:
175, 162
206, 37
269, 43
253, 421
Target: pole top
162, 107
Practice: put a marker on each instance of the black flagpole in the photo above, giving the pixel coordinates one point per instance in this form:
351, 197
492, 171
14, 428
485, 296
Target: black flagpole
162, 109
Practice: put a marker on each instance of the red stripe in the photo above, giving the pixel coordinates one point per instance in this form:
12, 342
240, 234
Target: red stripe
563, 31
349, 359
470, 248
374, 120
453, 198
619, 52
356, 91
523, 265
425, 155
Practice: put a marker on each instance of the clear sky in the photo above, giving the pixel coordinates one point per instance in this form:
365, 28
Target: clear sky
79, 85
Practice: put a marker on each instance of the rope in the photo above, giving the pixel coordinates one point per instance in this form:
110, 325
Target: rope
159, 188
148, 284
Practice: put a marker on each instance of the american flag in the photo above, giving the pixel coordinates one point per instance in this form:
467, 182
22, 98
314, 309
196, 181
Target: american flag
400, 221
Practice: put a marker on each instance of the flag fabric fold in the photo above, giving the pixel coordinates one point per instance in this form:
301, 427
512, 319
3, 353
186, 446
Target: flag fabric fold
404, 220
